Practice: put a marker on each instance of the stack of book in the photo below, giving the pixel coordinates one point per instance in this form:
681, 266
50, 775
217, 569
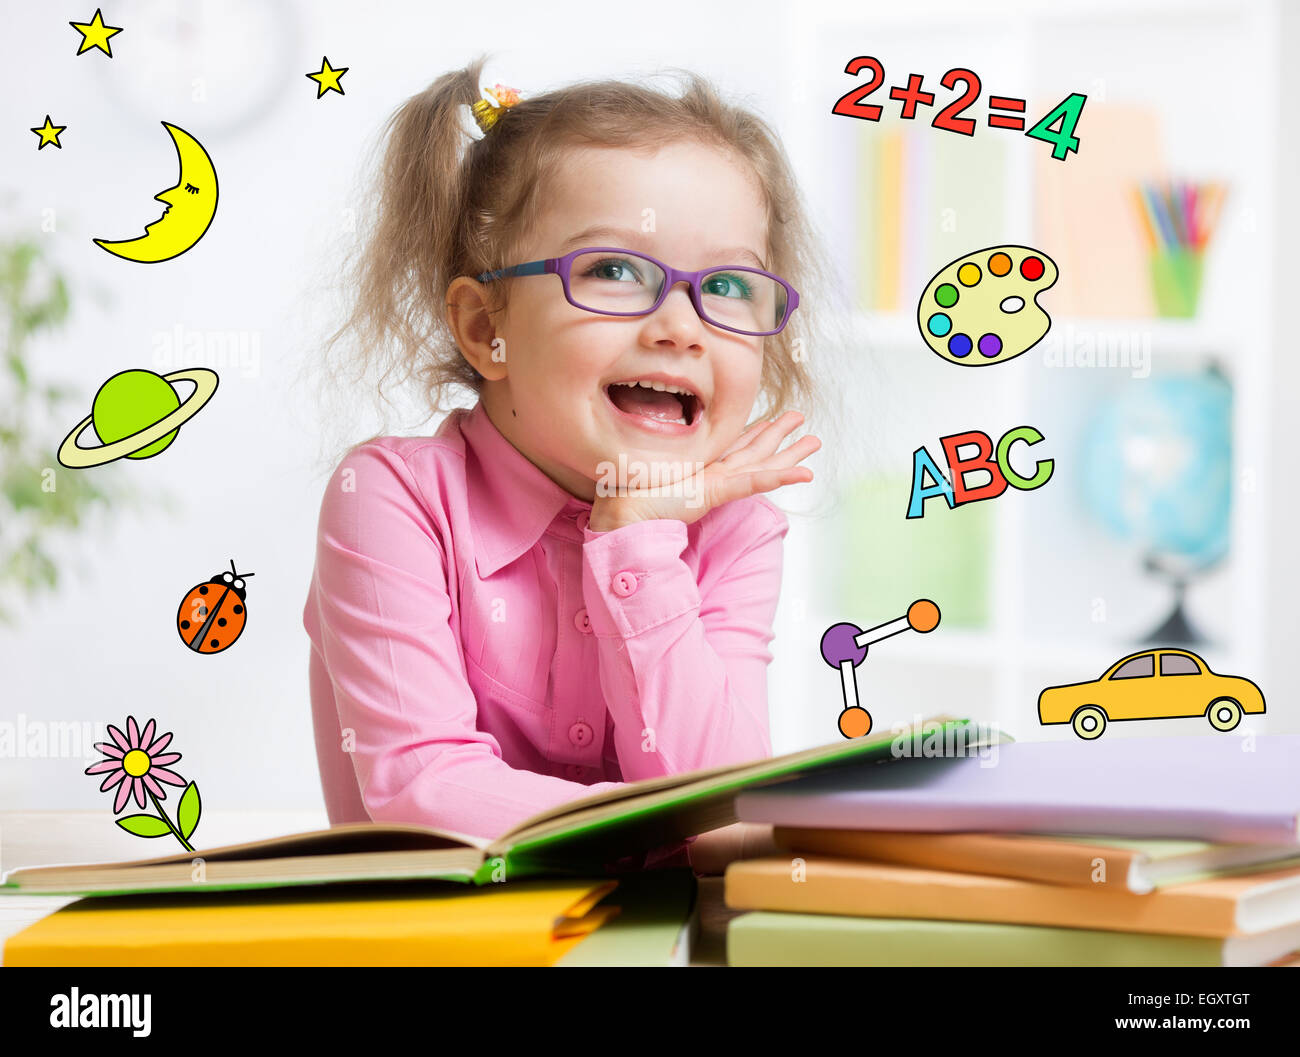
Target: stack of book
566, 887
1136, 851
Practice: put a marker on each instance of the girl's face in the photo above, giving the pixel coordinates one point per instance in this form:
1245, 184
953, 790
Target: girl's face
691, 206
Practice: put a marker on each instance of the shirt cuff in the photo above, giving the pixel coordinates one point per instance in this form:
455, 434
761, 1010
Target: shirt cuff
634, 578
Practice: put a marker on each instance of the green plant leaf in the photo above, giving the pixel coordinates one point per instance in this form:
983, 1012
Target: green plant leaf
144, 825
59, 300
187, 815
23, 490
20, 262
36, 524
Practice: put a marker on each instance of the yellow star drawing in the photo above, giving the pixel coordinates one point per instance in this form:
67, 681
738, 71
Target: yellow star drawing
94, 34
327, 78
49, 133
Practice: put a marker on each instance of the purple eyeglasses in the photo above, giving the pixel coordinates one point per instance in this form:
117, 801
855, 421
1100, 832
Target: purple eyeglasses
619, 282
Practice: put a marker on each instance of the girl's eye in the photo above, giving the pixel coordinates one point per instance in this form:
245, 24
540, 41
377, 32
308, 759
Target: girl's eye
617, 269
727, 284
192, 189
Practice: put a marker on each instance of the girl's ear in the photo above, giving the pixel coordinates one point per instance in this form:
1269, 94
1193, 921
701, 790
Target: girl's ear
472, 326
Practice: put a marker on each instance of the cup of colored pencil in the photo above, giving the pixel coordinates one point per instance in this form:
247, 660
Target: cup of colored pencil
1178, 219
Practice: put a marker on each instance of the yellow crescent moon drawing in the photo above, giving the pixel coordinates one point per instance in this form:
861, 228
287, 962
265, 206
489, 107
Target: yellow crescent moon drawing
190, 207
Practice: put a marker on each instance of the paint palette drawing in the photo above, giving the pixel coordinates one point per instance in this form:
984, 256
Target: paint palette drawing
982, 309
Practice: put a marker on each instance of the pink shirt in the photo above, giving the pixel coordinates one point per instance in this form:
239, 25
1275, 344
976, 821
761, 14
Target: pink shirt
492, 656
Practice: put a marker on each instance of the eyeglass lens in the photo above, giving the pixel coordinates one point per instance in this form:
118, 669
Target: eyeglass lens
614, 282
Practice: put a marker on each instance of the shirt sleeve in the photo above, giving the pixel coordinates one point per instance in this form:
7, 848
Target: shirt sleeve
684, 674
383, 614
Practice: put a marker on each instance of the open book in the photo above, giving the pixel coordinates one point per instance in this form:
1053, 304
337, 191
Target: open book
579, 838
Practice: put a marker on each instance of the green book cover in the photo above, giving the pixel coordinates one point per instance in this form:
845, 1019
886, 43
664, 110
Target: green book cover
572, 839
607, 833
932, 557
965, 202
765, 938
656, 912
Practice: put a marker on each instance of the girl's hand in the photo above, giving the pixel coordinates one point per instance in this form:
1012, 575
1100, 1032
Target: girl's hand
711, 852
751, 465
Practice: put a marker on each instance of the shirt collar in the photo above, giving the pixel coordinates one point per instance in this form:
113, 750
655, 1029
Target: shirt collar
511, 501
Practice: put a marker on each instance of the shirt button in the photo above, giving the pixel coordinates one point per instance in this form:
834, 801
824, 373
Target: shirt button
624, 584
583, 518
580, 734
582, 622
574, 771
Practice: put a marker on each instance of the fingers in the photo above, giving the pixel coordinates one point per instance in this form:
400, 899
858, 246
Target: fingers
796, 453
750, 482
770, 480
765, 441
745, 438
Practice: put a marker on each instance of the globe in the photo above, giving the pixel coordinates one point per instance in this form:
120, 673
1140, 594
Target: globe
1157, 466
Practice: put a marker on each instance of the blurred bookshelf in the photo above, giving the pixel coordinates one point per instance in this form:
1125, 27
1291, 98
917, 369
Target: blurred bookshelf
1034, 588
1171, 337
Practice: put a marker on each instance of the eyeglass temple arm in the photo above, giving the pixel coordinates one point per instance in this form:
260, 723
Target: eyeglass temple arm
531, 268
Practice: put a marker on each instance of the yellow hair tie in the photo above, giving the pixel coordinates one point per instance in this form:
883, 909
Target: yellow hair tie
487, 114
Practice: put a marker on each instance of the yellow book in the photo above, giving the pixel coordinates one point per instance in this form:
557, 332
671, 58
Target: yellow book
530, 923
889, 220
864, 184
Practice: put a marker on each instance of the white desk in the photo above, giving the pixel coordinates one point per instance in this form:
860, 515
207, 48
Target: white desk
42, 838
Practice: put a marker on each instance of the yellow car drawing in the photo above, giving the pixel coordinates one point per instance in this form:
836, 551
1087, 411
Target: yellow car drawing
1153, 684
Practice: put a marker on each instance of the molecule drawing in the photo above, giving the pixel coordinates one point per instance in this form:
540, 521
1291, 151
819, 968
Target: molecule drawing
844, 646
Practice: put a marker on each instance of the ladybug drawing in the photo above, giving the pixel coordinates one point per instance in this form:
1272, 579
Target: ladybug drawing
212, 615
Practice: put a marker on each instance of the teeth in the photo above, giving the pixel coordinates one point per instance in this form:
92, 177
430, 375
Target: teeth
662, 388
658, 387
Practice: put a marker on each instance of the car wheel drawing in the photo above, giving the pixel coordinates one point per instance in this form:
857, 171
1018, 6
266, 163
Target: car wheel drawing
1090, 722
1223, 713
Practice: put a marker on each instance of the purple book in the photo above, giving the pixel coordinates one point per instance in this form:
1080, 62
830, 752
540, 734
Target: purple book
1221, 788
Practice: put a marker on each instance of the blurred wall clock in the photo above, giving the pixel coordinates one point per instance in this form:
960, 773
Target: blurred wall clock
219, 66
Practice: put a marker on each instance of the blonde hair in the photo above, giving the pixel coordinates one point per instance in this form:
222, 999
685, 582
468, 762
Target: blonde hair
449, 205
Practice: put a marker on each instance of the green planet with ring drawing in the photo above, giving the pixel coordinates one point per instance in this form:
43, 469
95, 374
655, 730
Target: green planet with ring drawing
136, 415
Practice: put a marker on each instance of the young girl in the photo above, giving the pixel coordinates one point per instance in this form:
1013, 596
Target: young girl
506, 615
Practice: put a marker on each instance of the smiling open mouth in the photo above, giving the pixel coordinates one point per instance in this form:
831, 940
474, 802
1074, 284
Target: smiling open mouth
654, 400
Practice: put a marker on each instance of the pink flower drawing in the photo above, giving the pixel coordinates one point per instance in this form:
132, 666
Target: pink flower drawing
136, 764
